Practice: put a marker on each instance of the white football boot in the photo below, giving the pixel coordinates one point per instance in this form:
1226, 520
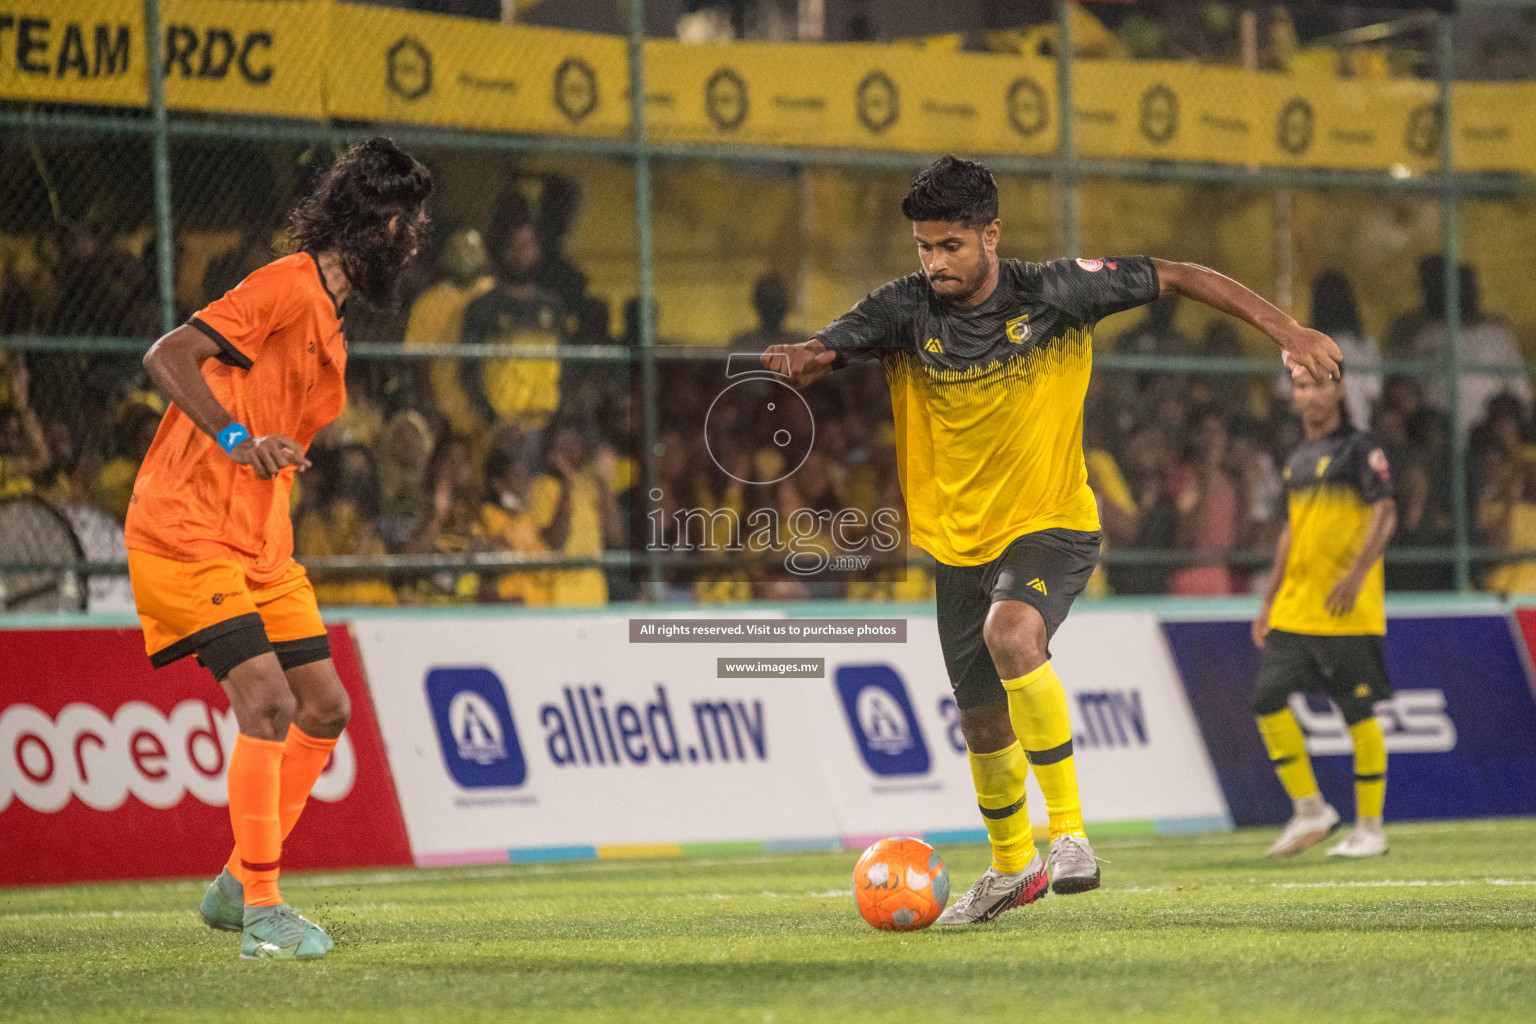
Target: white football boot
1309, 826
1364, 840
995, 892
1072, 865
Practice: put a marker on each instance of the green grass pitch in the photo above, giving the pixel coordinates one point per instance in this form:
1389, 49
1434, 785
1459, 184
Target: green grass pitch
1185, 929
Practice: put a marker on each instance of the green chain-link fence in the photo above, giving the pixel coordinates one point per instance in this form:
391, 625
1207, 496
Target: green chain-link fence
670, 235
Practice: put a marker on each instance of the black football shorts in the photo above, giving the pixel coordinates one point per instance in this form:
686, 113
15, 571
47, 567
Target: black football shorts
1047, 569
1350, 669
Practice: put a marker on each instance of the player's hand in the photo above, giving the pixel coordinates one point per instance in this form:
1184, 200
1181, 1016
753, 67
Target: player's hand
1341, 599
1261, 627
803, 364
269, 455
1311, 352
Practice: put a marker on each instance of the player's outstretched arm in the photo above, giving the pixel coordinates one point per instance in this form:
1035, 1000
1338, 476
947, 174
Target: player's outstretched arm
1303, 349
175, 362
1341, 599
1276, 577
803, 364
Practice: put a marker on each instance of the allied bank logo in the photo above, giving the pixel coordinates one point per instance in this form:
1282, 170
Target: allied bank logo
474, 727
880, 715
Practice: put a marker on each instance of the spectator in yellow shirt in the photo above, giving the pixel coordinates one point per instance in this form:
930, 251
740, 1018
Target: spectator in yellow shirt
23, 448
505, 523
437, 318
515, 311
573, 506
137, 420
343, 525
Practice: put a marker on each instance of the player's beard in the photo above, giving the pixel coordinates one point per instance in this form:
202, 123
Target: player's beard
375, 274
974, 283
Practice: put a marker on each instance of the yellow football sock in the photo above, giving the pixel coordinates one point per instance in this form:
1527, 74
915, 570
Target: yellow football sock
1037, 705
1288, 753
1370, 768
999, 778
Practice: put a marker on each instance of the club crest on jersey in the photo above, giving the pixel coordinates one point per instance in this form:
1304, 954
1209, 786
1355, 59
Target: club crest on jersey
1092, 266
934, 345
1017, 329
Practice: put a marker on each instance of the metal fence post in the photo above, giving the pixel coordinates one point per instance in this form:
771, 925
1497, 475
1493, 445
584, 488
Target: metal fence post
165, 247
1450, 229
1067, 119
649, 429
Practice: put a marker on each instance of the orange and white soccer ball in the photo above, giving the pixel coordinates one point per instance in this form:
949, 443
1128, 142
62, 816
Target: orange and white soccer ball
901, 884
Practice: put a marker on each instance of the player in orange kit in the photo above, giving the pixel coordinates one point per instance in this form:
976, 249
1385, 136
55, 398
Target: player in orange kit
253, 377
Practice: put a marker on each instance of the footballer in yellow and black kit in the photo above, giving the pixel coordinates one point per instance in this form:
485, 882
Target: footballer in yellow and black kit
1332, 485
1323, 619
988, 408
988, 362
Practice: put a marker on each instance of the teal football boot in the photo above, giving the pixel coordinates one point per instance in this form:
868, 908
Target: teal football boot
279, 933
223, 906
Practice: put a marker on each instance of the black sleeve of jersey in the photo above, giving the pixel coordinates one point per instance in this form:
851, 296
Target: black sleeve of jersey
1372, 474
1089, 290
874, 325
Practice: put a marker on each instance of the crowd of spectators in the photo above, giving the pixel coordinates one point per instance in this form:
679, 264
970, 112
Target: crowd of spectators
447, 455
1190, 462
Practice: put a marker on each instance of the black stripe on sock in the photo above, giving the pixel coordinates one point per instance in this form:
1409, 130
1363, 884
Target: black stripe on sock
1052, 756
1378, 777
1281, 762
999, 813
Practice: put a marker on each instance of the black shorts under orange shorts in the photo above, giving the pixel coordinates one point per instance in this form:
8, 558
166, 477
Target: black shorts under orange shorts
188, 607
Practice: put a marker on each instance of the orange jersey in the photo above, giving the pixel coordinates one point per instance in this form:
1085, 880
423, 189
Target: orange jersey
280, 370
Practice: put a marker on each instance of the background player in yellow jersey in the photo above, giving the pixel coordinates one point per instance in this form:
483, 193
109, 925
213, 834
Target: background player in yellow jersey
1322, 622
988, 362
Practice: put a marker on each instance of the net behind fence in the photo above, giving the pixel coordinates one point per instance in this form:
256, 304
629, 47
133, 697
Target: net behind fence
763, 202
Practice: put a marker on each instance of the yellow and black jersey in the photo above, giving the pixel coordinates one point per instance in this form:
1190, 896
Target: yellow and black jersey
1331, 485
521, 391
988, 401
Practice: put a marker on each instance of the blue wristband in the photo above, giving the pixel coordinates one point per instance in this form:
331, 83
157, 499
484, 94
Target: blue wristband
231, 436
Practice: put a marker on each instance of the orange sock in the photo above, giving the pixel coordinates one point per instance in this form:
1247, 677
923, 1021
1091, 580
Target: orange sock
304, 758
255, 779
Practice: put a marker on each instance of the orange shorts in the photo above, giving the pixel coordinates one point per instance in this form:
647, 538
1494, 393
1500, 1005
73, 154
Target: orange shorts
185, 605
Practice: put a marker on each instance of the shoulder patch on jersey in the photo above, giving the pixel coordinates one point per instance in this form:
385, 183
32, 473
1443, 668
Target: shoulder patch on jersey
1017, 329
1092, 266
1377, 460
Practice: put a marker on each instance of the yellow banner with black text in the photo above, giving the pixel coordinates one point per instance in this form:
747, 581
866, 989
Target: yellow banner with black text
236, 56
315, 59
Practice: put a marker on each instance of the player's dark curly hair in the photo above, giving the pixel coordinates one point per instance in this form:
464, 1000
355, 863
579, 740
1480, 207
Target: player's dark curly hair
351, 207
952, 189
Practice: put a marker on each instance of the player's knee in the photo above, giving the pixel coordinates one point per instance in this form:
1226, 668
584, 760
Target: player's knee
987, 728
264, 712
1015, 637
327, 715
